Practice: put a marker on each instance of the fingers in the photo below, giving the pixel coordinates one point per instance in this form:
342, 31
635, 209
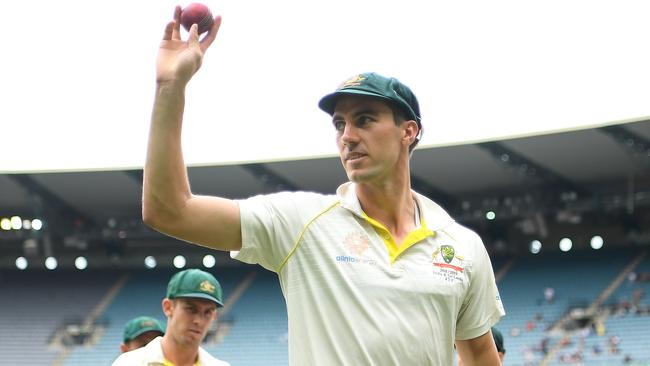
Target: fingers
212, 34
193, 40
176, 34
173, 31
168, 31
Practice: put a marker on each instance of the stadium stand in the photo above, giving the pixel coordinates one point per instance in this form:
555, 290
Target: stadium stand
37, 303
253, 328
258, 334
577, 278
141, 295
625, 324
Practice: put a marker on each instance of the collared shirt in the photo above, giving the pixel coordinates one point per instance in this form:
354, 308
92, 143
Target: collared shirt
152, 355
356, 298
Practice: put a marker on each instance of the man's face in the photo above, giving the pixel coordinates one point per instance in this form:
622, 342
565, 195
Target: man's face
140, 341
369, 141
189, 319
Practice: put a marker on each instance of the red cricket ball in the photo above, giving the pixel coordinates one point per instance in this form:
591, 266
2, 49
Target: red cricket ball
197, 13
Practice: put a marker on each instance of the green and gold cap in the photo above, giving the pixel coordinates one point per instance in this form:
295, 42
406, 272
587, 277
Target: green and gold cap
375, 85
142, 324
195, 283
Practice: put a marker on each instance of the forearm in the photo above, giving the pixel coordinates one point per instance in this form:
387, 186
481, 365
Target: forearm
166, 188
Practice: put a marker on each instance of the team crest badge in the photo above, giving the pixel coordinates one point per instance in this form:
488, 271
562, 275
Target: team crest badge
206, 286
448, 253
146, 323
353, 81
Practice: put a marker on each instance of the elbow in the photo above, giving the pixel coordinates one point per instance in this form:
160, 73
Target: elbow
161, 216
149, 216
154, 215
164, 214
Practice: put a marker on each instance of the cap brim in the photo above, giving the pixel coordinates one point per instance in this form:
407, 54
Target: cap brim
328, 102
201, 295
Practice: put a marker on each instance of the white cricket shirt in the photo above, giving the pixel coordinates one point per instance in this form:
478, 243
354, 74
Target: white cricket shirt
152, 354
353, 296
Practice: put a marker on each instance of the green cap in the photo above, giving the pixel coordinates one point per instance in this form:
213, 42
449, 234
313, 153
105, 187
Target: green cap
195, 283
498, 340
375, 85
142, 324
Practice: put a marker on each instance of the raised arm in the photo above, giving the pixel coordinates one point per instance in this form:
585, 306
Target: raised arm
168, 204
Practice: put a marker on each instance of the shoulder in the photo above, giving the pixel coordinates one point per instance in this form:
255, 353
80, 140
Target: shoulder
467, 246
438, 220
305, 203
220, 363
149, 353
297, 196
463, 234
208, 360
130, 358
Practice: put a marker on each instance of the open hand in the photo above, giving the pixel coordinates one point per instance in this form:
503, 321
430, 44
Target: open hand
179, 60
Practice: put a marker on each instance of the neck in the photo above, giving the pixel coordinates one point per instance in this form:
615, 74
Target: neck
390, 202
177, 353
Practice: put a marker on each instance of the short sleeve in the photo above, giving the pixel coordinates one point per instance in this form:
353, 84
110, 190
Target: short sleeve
482, 307
272, 224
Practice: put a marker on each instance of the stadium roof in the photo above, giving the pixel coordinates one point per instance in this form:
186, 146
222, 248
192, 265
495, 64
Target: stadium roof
598, 177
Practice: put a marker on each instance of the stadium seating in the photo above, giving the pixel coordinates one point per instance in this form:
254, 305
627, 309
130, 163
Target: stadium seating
36, 303
254, 328
258, 334
627, 321
141, 295
576, 278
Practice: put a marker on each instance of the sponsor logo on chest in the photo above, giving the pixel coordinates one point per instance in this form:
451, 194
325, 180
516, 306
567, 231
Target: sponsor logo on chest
356, 245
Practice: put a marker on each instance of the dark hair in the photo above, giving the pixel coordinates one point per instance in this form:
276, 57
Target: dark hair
399, 115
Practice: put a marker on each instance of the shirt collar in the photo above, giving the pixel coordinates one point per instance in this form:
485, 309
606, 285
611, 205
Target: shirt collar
435, 217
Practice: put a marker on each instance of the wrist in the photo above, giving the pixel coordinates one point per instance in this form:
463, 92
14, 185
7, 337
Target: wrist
173, 84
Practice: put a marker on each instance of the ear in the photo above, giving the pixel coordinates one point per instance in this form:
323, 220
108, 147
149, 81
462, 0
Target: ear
167, 306
410, 132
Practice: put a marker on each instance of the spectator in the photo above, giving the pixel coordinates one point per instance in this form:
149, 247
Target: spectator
613, 344
193, 297
138, 332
